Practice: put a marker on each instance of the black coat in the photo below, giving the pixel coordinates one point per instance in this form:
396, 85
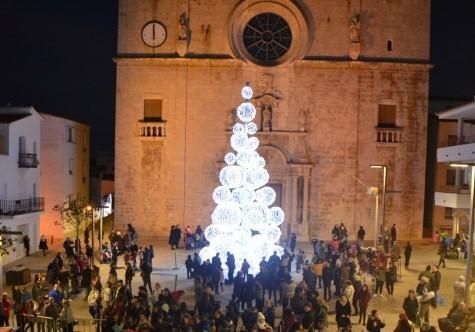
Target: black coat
343, 313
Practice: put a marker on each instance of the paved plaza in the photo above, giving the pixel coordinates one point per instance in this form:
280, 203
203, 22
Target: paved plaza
165, 272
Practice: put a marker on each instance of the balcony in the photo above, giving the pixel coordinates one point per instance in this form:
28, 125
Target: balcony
28, 160
452, 200
152, 130
388, 136
21, 206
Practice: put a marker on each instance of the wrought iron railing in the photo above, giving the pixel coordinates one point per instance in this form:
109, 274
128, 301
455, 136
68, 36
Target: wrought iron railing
21, 206
28, 160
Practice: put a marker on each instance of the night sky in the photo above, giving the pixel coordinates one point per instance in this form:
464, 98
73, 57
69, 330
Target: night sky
57, 55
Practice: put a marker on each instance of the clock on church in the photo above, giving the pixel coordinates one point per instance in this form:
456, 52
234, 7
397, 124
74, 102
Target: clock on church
154, 34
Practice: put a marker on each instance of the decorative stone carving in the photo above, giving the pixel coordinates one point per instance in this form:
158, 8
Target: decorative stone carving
205, 29
303, 118
184, 34
267, 117
355, 38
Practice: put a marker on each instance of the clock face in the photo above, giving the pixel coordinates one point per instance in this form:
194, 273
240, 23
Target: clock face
154, 34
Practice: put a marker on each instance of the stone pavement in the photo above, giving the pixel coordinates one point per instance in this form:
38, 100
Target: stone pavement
164, 271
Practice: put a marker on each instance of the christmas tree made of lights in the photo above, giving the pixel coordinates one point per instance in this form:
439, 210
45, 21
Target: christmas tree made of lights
242, 222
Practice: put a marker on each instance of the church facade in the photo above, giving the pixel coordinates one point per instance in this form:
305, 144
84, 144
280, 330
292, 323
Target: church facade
338, 85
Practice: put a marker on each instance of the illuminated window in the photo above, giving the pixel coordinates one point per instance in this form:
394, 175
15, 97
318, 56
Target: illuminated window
152, 109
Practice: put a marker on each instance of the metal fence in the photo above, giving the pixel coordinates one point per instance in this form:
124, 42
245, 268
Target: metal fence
48, 324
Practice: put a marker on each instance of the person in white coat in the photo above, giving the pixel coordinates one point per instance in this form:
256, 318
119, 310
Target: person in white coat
459, 290
349, 291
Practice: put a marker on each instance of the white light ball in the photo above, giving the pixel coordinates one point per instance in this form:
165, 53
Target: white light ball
277, 216
255, 177
222, 194
255, 216
230, 158
231, 176
246, 112
212, 232
243, 196
266, 195
207, 253
252, 143
247, 158
239, 141
239, 128
243, 236
246, 92
251, 128
227, 214
273, 234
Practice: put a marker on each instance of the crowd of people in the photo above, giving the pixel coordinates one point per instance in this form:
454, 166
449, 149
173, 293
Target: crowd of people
338, 270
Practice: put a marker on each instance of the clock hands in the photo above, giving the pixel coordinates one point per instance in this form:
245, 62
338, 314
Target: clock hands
153, 31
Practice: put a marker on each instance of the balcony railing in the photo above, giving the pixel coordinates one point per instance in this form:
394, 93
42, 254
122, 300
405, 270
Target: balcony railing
152, 131
388, 135
21, 206
28, 160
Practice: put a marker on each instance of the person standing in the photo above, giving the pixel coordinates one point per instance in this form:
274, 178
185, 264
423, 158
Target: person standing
393, 234
189, 267
407, 254
231, 263
411, 306
437, 276
171, 238
343, 312
391, 277
67, 316
380, 280
363, 297
442, 251
43, 245
361, 234
292, 242
26, 244
327, 276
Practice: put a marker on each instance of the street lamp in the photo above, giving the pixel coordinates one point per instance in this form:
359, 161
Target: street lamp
89, 208
375, 191
383, 214
471, 225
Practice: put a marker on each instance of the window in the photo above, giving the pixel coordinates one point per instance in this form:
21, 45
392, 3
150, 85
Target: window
71, 166
70, 135
267, 37
152, 110
84, 140
22, 144
448, 213
3, 144
390, 45
450, 177
387, 116
34, 190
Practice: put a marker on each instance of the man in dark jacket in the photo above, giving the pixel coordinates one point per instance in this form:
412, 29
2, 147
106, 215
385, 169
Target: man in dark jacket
231, 263
375, 323
436, 286
327, 276
308, 318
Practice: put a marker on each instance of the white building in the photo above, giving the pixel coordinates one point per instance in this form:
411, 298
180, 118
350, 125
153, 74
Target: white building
457, 141
65, 171
20, 204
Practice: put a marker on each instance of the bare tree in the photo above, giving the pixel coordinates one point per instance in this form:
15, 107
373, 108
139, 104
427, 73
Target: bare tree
74, 212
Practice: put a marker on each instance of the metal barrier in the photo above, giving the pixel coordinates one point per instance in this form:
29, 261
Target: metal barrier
48, 324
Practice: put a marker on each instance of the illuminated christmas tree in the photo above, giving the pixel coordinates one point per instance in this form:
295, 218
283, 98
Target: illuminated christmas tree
242, 222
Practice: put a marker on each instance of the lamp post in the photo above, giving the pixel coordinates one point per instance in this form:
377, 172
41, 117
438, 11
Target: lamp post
89, 208
471, 228
375, 191
383, 213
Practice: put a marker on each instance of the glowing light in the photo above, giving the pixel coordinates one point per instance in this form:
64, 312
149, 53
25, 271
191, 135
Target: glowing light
246, 92
246, 112
242, 222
